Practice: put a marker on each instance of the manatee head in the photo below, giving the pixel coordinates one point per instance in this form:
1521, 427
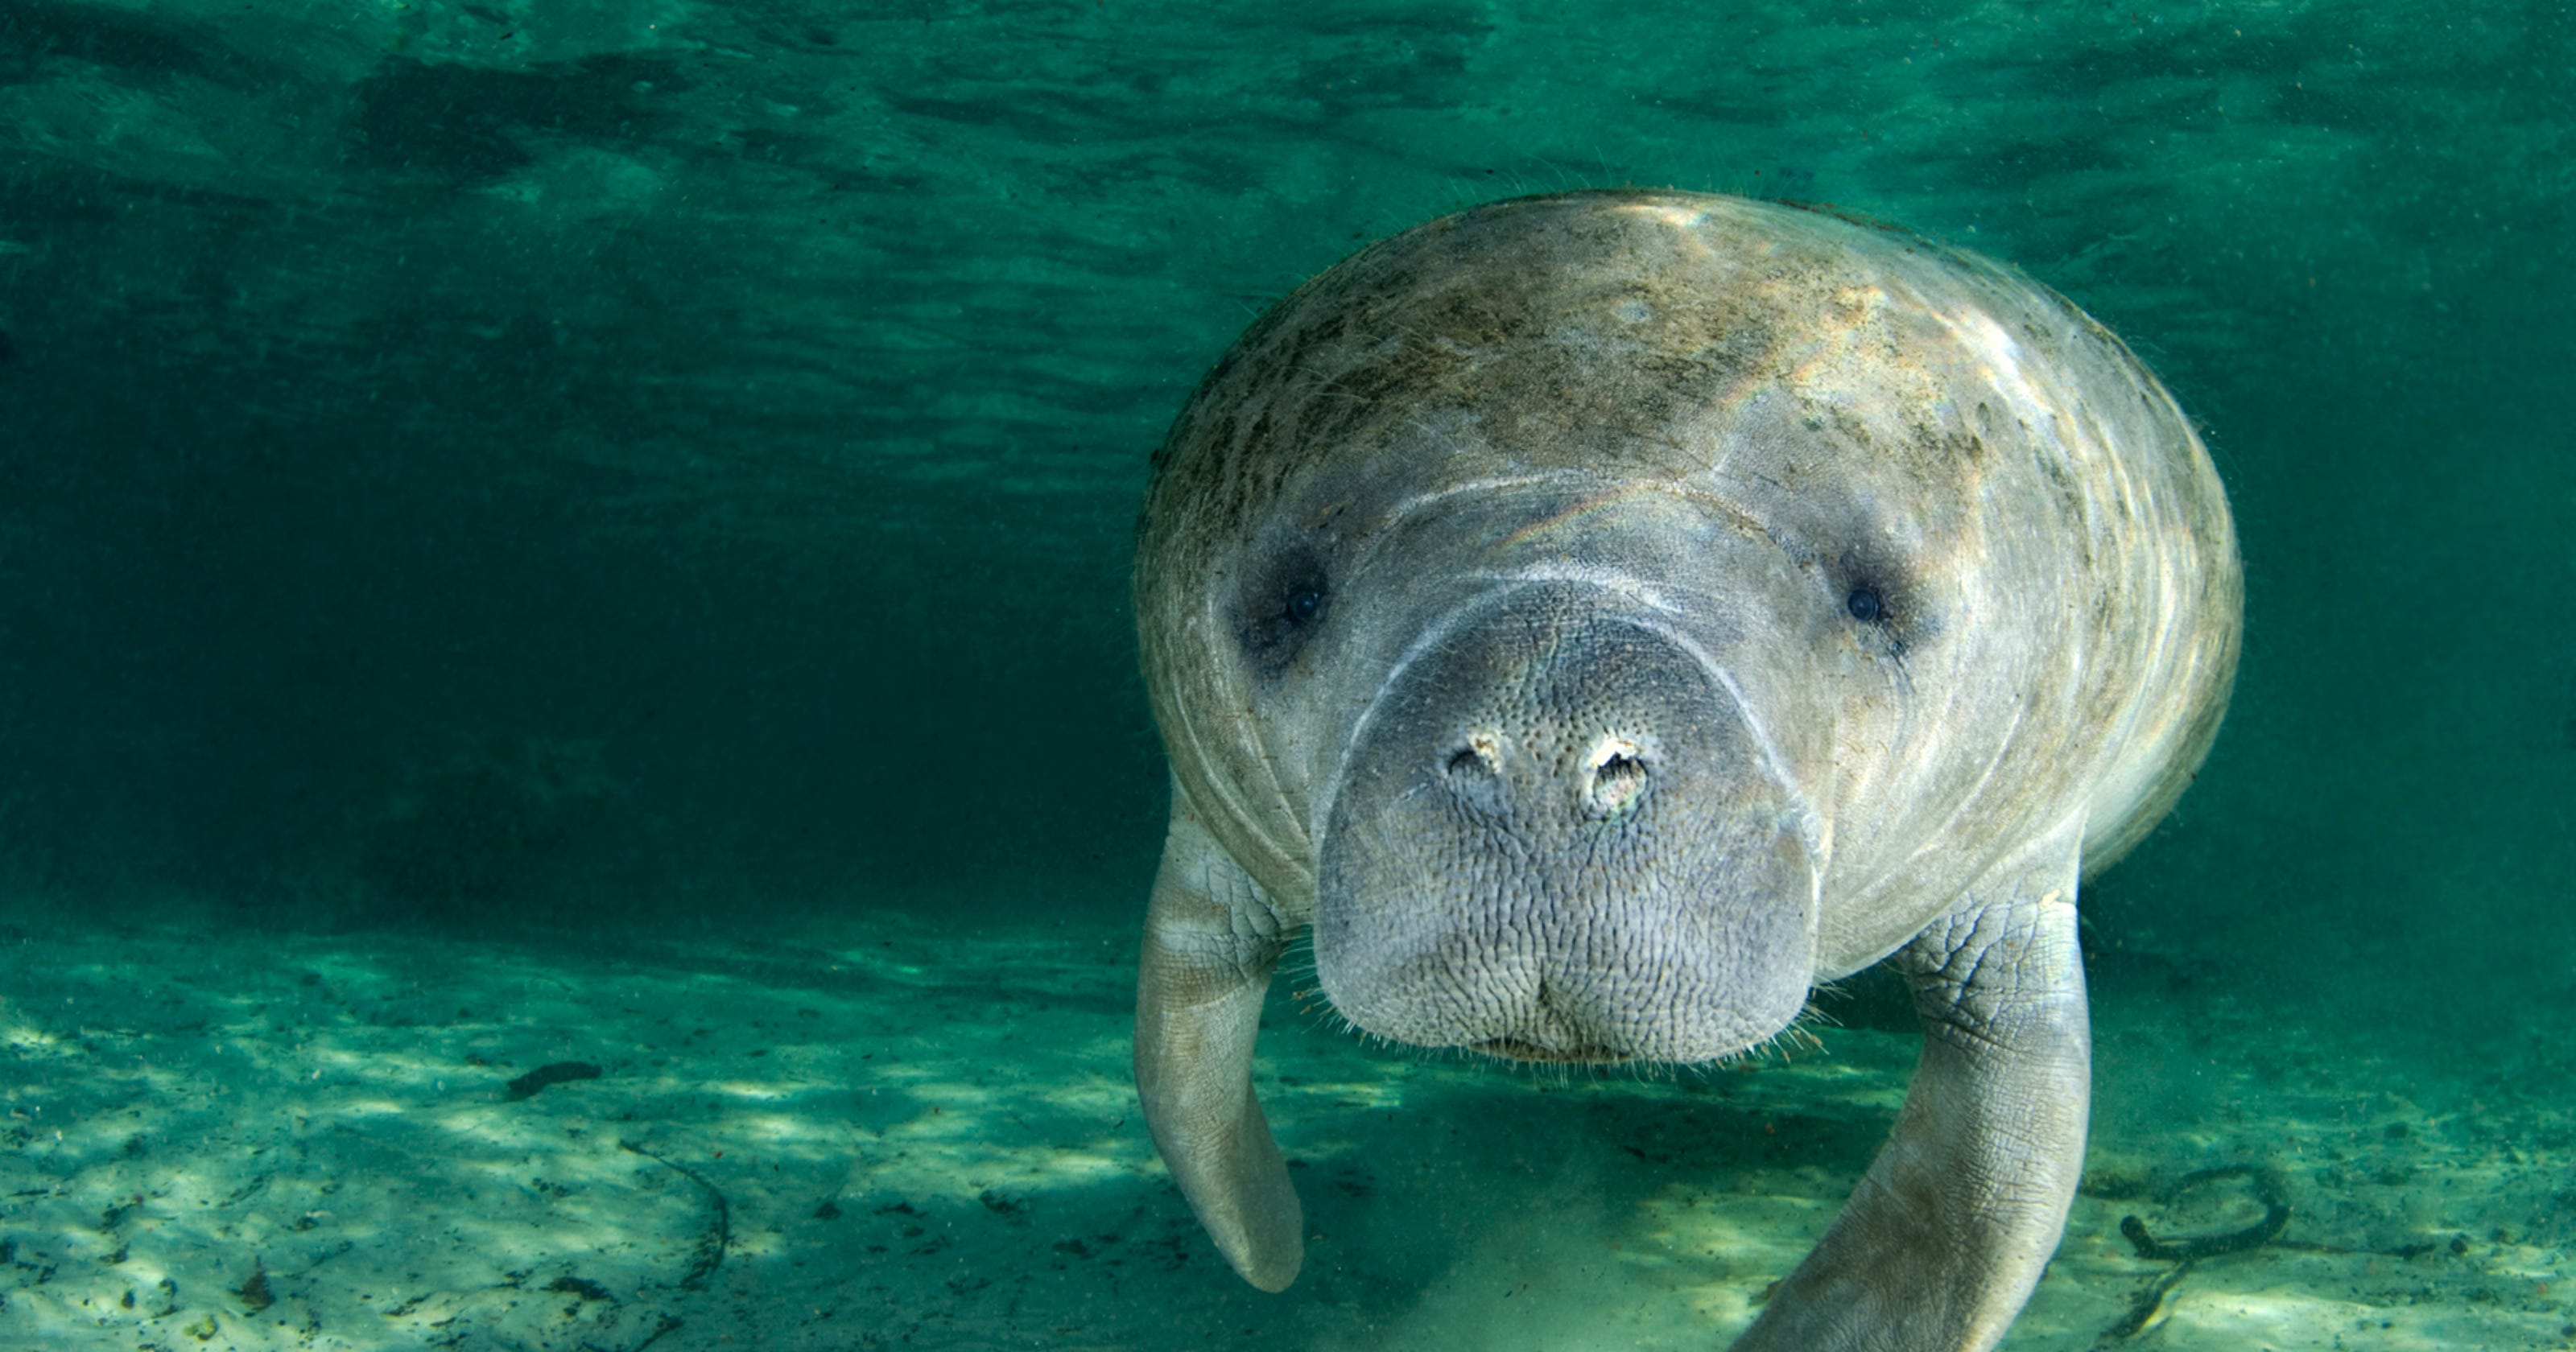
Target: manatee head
1556, 825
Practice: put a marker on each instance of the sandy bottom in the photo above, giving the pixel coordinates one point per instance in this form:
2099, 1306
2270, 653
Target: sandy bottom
887, 1134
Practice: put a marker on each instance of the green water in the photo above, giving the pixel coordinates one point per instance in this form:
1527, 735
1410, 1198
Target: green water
663, 474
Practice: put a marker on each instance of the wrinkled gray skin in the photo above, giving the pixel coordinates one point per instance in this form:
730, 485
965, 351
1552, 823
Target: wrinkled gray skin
1604, 616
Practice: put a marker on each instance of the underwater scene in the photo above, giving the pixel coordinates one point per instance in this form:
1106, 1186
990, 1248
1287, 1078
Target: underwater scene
652, 654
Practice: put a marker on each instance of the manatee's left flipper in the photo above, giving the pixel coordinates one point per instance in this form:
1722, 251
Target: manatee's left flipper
1211, 942
1944, 1238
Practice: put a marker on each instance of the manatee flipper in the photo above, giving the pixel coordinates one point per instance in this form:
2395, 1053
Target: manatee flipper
1945, 1236
1211, 941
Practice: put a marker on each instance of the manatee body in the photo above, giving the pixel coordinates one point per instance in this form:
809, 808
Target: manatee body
1604, 616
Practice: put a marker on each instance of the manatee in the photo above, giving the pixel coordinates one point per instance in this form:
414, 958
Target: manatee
1601, 617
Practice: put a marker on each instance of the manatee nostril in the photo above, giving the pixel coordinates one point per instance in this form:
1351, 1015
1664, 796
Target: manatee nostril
1475, 771
1614, 777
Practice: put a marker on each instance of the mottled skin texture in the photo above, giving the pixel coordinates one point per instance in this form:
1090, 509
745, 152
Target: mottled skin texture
1603, 616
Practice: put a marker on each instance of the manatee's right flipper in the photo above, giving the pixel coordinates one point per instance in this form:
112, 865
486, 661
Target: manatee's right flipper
1944, 1238
1211, 940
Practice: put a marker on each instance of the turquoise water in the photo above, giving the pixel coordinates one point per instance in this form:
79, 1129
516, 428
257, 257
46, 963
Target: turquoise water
599, 510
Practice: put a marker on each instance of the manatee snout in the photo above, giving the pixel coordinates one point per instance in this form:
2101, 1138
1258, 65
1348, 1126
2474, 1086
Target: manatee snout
1557, 836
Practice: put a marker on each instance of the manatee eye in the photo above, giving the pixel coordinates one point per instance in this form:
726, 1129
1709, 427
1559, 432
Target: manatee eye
1282, 611
1863, 605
